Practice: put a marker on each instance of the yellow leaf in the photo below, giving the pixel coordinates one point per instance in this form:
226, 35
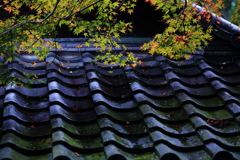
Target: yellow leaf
134, 65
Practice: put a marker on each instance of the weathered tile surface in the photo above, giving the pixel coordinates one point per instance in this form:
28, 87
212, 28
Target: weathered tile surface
162, 109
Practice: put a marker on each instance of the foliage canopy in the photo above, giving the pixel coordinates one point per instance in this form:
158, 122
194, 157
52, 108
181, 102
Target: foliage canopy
26, 25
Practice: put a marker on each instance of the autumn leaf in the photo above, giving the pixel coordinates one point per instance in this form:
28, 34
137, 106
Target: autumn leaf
218, 22
75, 108
79, 46
33, 63
176, 125
134, 65
59, 70
32, 126
35, 76
77, 154
43, 140
9, 9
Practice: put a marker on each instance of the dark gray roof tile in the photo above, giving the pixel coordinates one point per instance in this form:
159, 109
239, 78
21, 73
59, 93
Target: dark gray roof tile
172, 129
152, 81
185, 143
120, 92
40, 130
35, 145
118, 103
107, 72
68, 81
33, 92
10, 153
203, 102
118, 81
31, 117
162, 109
161, 103
75, 116
125, 128
124, 116
81, 91
162, 91
186, 80
177, 115
77, 103
145, 72
230, 79
200, 91
91, 129
28, 103
165, 153
228, 69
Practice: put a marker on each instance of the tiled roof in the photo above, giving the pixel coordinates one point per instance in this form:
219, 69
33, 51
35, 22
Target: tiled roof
162, 109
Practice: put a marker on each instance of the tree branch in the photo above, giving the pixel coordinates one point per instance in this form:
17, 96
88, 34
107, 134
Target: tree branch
34, 22
6, 4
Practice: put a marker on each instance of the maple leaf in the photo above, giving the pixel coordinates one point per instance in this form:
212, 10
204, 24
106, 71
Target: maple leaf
75, 108
33, 63
9, 9
79, 46
77, 154
134, 65
218, 22
32, 126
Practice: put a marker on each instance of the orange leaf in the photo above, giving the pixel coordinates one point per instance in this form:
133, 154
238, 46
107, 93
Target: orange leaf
218, 22
59, 70
33, 63
9, 9
164, 94
32, 126
79, 46
77, 154
43, 140
75, 108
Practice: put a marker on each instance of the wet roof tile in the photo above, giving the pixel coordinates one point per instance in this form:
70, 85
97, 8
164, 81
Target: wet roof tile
162, 109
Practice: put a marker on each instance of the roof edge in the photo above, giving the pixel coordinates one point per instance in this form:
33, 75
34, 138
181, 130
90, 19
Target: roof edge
223, 28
